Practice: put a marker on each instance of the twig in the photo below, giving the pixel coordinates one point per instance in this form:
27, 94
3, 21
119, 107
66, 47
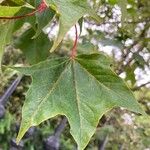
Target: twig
53, 141
60, 127
103, 143
123, 67
142, 85
10, 90
128, 50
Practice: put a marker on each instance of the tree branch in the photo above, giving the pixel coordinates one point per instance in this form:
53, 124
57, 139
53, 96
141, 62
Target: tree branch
53, 141
138, 87
60, 127
10, 90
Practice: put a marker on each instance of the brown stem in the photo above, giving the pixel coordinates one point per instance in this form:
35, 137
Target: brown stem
40, 9
74, 48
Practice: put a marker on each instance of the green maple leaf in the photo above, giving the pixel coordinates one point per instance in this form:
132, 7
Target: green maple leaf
82, 89
43, 18
69, 11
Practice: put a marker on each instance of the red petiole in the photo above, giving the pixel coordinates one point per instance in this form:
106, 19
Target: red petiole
74, 48
40, 9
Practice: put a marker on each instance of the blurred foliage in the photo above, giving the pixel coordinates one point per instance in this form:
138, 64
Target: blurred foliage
127, 40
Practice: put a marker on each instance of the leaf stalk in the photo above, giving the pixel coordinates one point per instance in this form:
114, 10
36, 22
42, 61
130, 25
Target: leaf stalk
74, 48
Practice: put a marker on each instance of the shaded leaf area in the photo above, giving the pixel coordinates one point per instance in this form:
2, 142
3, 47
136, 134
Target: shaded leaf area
36, 49
39, 20
43, 18
8, 27
19, 2
130, 74
20, 22
5, 36
82, 89
15, 3
69, 12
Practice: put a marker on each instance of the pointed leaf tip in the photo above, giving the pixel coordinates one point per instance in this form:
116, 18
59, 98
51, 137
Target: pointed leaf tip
79, 89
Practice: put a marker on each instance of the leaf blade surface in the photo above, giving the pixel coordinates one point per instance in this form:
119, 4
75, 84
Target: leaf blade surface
82, 89
69, 12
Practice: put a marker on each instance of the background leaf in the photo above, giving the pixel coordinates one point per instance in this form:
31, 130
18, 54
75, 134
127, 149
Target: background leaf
35, 50
43, 19
69, 13
5, 36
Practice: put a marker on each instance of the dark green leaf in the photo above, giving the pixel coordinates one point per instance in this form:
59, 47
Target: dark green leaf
82, 89
35, 50
80, 24
5, 36
130, 73
20, 22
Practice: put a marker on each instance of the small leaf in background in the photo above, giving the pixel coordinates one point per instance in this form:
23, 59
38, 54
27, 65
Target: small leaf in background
5, 123
5, 36
82, 89
69, 13
20, 22
111, 42
112, 2
104, 131
80, 24
123, 6
43, 19
139, 60
130, 74
86, 48
16, 3
35, 50
19, 2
